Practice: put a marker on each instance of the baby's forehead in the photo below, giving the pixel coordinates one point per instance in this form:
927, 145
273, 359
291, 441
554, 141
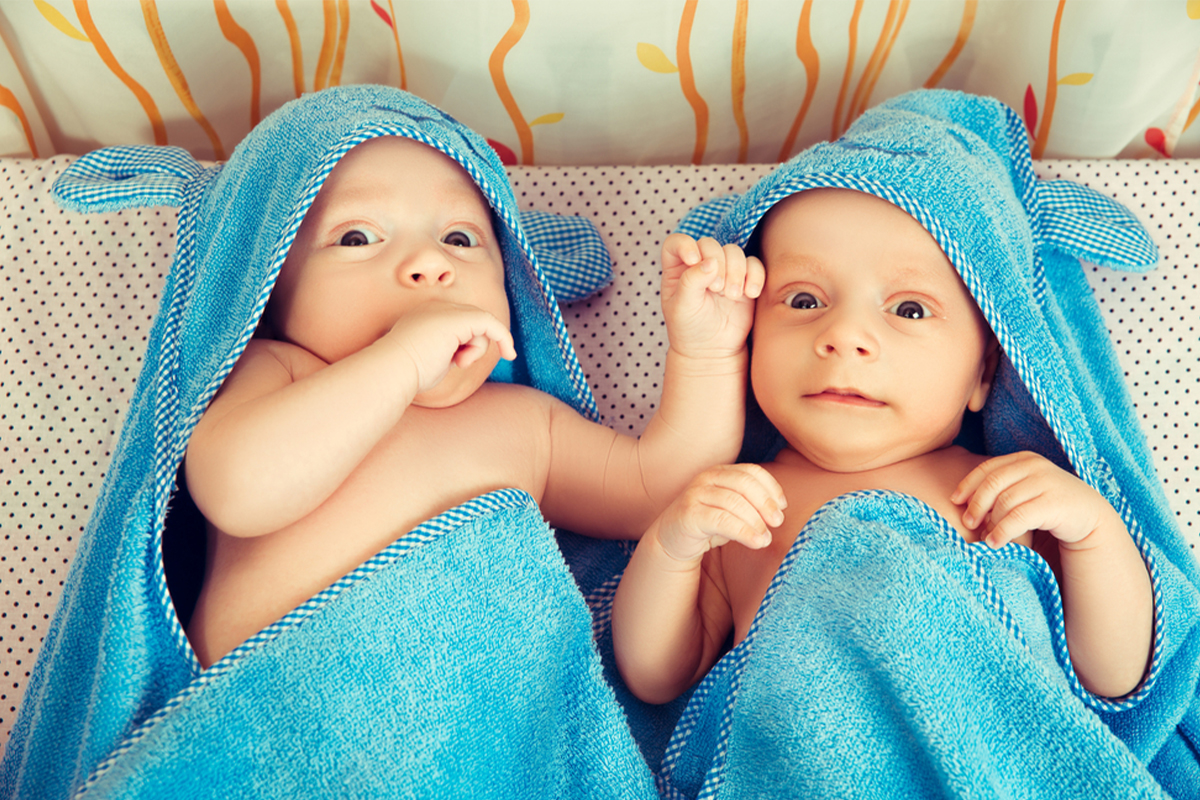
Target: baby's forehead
402, 163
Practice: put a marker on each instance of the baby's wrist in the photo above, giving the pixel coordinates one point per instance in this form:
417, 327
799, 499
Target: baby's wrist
707, 364
1109, 532
667, 560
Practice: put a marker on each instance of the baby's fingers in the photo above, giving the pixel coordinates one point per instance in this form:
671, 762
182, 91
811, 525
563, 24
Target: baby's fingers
756, 277
475, 340
727, 516
1021, 509
679, 249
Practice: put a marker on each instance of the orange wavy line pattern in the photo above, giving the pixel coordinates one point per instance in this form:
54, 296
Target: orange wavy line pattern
852, 110
396, 36
110, 61
853, 46
960, 41
9, 100
242, 40
289, 22
687, 80
335, 76
807, 54
175, 74
1039, 144
496, 68
738, 79
328, 43
873, 78
1191, 117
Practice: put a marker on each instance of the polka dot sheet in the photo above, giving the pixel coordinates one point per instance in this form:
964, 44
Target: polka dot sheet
78, 294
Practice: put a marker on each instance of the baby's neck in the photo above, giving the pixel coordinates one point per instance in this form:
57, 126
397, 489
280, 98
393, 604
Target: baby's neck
930, 477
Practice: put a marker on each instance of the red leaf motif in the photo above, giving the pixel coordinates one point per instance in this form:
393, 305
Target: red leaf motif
382, 14
507, 157
1158, 140
1030, 111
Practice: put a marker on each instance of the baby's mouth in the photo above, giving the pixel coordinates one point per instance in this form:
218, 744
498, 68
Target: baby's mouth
850, 397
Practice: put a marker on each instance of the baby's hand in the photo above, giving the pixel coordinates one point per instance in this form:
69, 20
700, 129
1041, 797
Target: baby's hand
733, 503
708, 294
1023, 492
438, 334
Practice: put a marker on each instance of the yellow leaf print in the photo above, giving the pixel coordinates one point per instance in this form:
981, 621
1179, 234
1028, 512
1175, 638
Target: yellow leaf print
1076, 79
56, 19
547, 119
1193, 9
654, 59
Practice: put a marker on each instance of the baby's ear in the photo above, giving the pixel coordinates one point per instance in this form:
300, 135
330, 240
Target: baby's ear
117, 178
991, 360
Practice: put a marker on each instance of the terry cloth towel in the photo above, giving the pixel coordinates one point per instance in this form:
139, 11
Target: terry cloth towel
456, 662
889, 658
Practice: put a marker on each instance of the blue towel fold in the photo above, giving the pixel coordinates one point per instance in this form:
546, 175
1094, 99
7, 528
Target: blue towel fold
891, 659
457, 662
888, 662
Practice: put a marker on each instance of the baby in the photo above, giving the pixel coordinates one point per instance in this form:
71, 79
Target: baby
867, 349
366, 410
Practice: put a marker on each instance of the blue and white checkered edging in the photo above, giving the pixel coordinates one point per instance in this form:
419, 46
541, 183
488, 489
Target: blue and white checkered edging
571, 252
429, 531
116, 178
1086, 224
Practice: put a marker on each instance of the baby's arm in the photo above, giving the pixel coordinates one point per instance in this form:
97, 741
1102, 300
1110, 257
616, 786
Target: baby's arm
670, 616
609, 485
286, 429
1106, 593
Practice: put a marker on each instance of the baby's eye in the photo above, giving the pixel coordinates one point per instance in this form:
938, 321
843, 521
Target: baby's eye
802, 300
357, 238
460, 238
911, 309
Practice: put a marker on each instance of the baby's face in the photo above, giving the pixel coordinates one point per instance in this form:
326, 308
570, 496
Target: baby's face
867, 345
396, 225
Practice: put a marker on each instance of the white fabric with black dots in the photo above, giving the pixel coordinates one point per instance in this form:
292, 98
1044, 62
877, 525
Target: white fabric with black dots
77, 296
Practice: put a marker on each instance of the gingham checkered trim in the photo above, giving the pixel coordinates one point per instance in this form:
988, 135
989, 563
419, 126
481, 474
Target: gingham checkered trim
126, 177
429, 531
703, 219
571, 253
169, 441
1086, 224
600, 604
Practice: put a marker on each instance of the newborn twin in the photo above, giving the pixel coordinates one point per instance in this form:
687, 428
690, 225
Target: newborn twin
843, 316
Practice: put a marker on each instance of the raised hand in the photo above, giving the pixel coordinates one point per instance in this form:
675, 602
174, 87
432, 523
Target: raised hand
1011, 495
708, 294
439, 334
732, 503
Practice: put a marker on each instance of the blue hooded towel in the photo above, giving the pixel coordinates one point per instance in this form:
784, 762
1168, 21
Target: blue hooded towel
890, 658
458, 661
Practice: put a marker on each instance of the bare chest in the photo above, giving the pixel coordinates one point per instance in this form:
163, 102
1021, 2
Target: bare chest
748, 573
433, 460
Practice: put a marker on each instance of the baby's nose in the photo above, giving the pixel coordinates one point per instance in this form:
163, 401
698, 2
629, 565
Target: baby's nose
427, 267
847, 337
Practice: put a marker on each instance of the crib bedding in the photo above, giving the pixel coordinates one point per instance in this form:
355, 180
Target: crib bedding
79, 294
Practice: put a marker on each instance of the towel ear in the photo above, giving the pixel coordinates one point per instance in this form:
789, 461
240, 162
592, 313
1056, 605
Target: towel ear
115, 178
570, 252
1088, 225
